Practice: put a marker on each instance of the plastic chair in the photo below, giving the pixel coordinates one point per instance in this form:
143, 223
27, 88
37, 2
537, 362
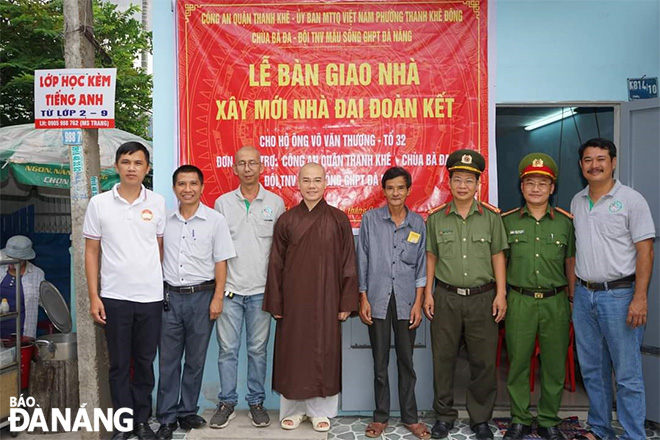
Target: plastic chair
501, 340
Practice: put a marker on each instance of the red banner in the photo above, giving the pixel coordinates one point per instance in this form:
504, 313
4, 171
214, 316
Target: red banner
355, 86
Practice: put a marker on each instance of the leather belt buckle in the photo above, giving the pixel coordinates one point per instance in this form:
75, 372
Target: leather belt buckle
187, 289
463, 291
539, 295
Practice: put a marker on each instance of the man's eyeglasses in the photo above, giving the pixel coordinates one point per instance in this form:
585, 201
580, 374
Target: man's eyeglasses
250, 164
466, 182
540, 185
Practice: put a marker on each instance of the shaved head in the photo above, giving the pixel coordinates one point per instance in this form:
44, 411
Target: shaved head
248, 149
247, 166
311, 182
311, 166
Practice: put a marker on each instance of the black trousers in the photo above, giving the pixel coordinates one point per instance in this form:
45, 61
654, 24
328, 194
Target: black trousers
404, 341
132, 331
470, 317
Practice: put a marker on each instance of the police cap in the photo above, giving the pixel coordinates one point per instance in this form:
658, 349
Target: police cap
539, 164
466, 160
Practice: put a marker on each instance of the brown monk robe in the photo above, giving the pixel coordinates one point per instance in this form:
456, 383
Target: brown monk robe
312, 276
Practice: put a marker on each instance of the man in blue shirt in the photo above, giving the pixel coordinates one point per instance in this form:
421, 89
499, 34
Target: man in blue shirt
392, 272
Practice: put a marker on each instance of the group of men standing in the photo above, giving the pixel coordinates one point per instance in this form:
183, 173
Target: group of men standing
214, 266
467, 269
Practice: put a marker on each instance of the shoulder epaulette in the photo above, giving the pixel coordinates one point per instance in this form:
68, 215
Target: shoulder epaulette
563, 211
437, 208
511, 211
495, 209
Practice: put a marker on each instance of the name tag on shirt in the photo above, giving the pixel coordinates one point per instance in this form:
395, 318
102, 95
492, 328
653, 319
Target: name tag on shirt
413, 237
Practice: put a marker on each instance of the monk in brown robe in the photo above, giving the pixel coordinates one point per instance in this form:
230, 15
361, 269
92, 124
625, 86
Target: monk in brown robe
312, 286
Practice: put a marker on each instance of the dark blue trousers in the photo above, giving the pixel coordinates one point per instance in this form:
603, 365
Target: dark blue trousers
186, 328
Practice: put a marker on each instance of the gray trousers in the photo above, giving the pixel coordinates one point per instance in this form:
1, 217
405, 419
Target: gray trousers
404, 341
186, 327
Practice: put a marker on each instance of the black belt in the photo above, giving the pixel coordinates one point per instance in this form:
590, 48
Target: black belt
539, 294
607, 285
467, 291
206, 285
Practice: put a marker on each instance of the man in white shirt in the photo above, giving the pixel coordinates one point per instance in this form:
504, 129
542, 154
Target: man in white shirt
125, 227
197, 245
251, 212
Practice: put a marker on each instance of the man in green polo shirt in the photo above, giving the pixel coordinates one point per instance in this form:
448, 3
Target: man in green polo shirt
465, 243
541, 259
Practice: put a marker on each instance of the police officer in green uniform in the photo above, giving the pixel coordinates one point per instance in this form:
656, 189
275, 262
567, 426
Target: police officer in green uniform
540, 275
465, 256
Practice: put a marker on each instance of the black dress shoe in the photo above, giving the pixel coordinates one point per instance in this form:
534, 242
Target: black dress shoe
166, 430
550, 433
191, 421
144, 432
517, 431
441, 429
482, 431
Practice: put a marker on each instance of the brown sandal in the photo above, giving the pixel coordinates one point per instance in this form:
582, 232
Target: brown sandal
419, 430
375, 429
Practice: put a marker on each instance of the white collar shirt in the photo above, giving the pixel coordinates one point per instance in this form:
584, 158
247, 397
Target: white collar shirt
193, 246
130, 255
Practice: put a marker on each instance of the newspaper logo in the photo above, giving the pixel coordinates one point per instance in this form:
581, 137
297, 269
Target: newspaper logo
68, 419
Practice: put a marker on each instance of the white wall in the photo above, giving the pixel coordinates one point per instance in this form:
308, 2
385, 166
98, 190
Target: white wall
584, 50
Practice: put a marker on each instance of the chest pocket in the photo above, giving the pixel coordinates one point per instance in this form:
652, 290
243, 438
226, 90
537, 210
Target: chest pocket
265, 229
409, 252
555, 247
199, 248
615, 225
518, 245
446, 245
481, 244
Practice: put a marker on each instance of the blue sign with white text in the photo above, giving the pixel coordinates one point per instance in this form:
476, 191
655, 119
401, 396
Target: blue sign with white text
72, 137
642, 88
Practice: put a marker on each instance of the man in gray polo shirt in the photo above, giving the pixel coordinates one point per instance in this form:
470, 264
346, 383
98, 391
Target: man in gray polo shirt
251, 212
614, 258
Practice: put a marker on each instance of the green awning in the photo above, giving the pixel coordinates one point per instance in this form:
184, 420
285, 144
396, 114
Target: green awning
54, 176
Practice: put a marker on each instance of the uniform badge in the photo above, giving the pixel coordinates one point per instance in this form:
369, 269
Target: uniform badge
267, 213
537, 163
146, 215
413, 237
616, 206
516, 232
466, 159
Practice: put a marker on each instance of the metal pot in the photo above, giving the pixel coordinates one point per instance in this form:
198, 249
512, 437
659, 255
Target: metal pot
57, 347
